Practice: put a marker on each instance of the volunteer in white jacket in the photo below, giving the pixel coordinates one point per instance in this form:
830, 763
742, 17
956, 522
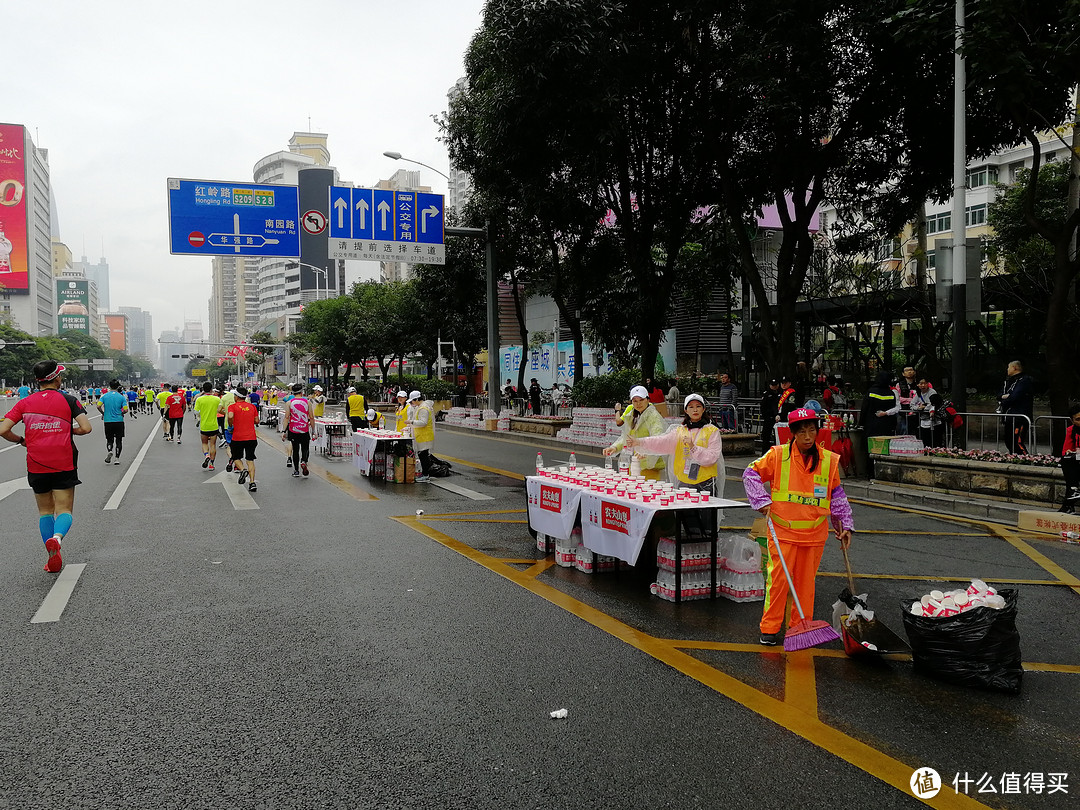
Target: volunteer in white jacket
421, 418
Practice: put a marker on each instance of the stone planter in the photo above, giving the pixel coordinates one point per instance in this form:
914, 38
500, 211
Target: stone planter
739, 444
1013, 482
539, 427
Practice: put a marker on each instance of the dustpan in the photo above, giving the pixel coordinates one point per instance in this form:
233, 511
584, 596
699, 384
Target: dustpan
862, 631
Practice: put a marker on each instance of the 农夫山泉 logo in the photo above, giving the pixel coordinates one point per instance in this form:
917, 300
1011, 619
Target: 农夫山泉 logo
551, 498
615, 516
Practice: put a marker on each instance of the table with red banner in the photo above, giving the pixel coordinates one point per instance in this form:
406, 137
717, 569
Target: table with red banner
611, 524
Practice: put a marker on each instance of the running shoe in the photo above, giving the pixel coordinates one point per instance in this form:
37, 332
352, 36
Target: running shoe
288, 461
178, 440
243, 477
206, 461
108, 458
116, 460
211, 467
303, 467
422, 479
295, 473
252, 487
55, 563
228, 468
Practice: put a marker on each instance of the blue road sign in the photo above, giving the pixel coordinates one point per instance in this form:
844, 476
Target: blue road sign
429, 218
363, 213
405, 215
340, 212
216, 218
383, 215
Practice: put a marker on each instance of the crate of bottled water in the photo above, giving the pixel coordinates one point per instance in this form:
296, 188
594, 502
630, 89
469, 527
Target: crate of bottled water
695, 585
695, 556
545, 544
589, 562
905, 446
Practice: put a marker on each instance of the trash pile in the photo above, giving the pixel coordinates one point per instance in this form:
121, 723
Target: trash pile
943, 604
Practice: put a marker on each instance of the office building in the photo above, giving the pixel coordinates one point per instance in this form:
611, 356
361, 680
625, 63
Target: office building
140, 333
234, 299
460, 184
27, 291
115, 326
99, 274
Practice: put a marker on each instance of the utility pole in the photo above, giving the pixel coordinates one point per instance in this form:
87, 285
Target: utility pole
959, 218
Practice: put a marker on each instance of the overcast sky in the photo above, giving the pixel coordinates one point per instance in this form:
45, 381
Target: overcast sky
126, 94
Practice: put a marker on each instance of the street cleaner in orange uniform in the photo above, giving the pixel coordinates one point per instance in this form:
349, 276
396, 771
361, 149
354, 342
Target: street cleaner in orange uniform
804, 480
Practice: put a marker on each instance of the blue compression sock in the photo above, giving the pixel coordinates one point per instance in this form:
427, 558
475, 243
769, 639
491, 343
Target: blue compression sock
45, 524
63, 524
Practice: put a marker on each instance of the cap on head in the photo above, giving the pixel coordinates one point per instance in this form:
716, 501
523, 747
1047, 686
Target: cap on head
774, 381
403, 394
349, 390
317, 388
48, 370
801, 415
371, 414
414, 395
694, 398
639, 391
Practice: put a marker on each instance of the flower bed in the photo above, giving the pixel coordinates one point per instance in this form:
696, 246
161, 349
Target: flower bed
992, 456
964, 472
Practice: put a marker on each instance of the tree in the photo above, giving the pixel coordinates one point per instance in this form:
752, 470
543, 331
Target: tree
324, 330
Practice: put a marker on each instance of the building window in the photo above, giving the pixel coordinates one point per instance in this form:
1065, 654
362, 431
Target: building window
982, 176
931, 259
975, 215
937, 223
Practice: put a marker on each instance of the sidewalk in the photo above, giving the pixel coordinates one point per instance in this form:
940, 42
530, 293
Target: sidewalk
940, 502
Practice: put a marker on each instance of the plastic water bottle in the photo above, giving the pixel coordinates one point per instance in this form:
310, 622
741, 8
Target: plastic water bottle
624, 461
635, 466
1070, 535
573, 461
539, 462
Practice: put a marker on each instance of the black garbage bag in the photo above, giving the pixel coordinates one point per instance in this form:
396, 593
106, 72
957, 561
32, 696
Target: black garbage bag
980, 647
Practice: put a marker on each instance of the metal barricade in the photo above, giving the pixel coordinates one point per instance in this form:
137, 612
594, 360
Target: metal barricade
987, 431
1052, 447
725, 416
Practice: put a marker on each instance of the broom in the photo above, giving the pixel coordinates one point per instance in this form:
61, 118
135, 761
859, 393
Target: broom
806, 632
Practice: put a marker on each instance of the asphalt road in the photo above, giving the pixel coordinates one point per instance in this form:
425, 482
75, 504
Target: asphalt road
331, 648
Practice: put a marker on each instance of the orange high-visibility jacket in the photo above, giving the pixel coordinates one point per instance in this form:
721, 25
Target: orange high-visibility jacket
800, 499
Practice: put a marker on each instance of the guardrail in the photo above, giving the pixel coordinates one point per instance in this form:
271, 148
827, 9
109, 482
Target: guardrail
978, 427
1052, 447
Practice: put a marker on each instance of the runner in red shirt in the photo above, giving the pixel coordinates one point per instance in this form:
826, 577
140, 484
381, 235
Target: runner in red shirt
175, 405
51, 455
242, 417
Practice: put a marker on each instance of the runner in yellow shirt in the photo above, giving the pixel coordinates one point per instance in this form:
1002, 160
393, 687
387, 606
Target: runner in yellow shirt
161, 397
207, 406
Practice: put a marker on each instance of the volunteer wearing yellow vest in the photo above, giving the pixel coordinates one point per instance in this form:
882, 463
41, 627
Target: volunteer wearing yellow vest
375, 419
641, 420
804, 480
318, 402
421, 419
695, 447
357, 409
401, 417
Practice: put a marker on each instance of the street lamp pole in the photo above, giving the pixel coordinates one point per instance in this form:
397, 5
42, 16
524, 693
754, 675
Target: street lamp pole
398, 156
294, 265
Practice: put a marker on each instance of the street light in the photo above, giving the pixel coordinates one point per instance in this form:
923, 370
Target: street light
397, 156
295, 265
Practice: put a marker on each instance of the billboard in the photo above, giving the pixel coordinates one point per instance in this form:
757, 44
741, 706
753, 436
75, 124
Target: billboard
14, 245
117, 325
73, 300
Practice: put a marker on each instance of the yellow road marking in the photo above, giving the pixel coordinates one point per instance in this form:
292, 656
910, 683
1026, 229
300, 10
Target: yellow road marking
1051, 567
463, 514
470, 520
485, 468
348, 487
516, 560
800, 683
792, 717
991, 580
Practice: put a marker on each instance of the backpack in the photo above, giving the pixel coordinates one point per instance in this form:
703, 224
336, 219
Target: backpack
950, 416
839, 401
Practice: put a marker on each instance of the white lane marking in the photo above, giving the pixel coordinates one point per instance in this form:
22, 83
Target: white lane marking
468, 493
122, 488
12, 446
57, 597
238, 493
14, 485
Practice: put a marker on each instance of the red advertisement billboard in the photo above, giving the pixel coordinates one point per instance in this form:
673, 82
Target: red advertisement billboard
14, 244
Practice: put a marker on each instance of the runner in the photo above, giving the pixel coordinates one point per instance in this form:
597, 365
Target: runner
161, 397
227, 399
51, 455
299, 423
241, 419
207, 405
133, 402
113, 406
176, 405
148, 400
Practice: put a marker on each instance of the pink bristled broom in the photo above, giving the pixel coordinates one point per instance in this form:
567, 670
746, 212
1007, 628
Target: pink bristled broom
806, 632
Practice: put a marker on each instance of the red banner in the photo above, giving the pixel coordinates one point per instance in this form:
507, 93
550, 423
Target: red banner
14, 245
615, 516
550, 498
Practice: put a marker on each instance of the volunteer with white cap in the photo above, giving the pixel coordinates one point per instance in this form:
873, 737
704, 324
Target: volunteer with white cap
422, 420
318, 401
402, 414
640, 420
695, 447
375, 419
357, 409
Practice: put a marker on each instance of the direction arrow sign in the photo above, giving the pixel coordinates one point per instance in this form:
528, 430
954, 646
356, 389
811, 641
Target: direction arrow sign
430, 218
363, 213
340, 212
8, 487
383, 211
239, 218
238, 494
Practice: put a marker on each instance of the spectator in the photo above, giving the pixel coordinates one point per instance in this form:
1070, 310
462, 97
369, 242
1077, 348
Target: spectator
802, 383
1070, 465
673, 392
926, 406
832, 395
909, 389
1016, 398
787, 402
534, 396
880, 406
770, 401
656, 396
726, 399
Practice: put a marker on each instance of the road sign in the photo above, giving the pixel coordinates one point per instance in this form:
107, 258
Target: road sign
215, 218
385, 225
314, 222
198, 372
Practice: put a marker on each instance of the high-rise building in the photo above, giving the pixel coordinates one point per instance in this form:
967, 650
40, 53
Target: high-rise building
168, 345
115, 325
460, 184
234, 301
99, 274
401, 180
140, 333
27, 291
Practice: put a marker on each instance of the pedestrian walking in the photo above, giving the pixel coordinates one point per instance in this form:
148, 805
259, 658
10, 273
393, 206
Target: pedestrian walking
112, 406
206, 405
51, 455
241, 419
422, 420
1017, 400
805, 492
299, 425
